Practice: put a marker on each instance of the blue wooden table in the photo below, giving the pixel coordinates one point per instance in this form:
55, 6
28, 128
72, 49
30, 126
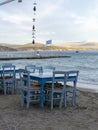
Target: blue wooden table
42, 78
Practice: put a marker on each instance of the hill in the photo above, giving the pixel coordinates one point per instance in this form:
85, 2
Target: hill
5, 48
84, 45
30, 47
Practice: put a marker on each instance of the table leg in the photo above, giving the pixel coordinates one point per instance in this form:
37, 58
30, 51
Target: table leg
42, 93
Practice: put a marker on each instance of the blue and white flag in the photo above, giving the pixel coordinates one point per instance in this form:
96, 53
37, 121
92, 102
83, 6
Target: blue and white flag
49, 42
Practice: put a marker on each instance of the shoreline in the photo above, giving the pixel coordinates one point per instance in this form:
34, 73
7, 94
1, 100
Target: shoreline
87, 87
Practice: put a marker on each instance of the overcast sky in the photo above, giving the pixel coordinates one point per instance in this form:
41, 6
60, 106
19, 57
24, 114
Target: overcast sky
59, 20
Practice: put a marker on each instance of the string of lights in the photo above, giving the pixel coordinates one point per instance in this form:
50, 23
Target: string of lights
34, 15
34, 20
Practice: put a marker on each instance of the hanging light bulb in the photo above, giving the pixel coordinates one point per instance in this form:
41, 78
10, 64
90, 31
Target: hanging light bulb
34, 9
33, 33
33, 42
34, 3
34, 19
33, 36
33, 27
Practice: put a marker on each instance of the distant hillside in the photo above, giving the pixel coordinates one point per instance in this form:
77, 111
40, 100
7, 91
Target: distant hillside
85, 45
79, 45
38, 46
4, 48
88, 44
30, 47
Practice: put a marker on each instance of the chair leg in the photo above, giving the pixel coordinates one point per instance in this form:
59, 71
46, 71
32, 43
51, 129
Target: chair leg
28, 102
5, 89
22, 100
65, 100
74, 98
74, 94
52, 101
61, 101
16, 87
12, 87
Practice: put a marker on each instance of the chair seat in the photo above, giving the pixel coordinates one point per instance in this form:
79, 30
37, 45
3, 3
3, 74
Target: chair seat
1, 79
34, 83
32, 88
8, 77
69, 88
49, 85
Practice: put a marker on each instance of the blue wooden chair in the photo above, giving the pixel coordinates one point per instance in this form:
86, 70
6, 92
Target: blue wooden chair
9, 79
29, 93
55, 93
71, 87
60, 89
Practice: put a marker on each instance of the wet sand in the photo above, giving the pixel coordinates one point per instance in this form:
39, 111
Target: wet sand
83, 116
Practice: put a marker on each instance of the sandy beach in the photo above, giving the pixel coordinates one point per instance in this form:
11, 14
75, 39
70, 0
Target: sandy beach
83, 116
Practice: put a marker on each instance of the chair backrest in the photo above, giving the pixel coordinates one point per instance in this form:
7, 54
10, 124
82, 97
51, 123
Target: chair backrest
64, 77
6, 64
72, 79
73, 74
24, 79
8, 69
59, 78
48, 69
30, 68
9, 75
33, 68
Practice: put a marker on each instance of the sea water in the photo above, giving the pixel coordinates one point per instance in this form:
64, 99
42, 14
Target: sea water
84, 61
